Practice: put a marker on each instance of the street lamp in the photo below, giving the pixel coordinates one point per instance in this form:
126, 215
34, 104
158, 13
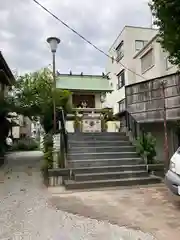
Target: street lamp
53, 42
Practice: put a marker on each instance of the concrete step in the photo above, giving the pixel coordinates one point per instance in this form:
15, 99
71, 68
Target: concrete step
104, 162
97, 134
109, 175
101, 149
98, 143
100, 155
98, 138
70, 184
116, 168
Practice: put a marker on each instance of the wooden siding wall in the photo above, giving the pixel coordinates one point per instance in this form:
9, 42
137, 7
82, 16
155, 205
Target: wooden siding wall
145, 101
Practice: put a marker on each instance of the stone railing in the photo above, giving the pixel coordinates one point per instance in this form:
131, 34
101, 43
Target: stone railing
146, 100
90, 120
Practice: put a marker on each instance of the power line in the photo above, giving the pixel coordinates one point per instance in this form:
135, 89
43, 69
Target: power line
85, 39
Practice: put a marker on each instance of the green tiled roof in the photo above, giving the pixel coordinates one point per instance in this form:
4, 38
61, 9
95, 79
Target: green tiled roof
78, 82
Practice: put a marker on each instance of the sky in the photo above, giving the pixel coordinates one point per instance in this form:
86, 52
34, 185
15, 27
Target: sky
24, 28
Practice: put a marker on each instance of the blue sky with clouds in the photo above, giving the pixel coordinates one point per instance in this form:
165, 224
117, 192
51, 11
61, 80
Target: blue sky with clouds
24, 28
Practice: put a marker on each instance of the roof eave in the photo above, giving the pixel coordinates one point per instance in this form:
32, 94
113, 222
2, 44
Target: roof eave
4, 78
145, 47
10, 77
87, 90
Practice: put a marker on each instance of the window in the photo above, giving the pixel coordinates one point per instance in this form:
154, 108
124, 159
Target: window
22, 135
147, 61
139, 44
121, 79
120, 51
168, 64
24, 122
122, 105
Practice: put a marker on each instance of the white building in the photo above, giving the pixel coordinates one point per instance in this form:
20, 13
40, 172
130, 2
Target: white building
130, 41
21, 126
152, 61
139, 50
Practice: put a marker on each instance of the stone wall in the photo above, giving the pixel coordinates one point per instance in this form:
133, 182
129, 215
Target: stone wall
145, 99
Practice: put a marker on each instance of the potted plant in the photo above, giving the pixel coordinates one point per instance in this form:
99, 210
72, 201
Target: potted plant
145, 146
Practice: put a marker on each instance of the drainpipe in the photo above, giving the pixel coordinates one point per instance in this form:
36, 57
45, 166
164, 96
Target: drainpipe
166, 147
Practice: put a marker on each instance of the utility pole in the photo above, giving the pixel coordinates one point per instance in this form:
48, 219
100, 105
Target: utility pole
166, 147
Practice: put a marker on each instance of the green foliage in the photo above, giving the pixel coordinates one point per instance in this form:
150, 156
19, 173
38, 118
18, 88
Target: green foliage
34, 96
48, 141
108, 114
145, 146
48, 151
26, 144
167, 15
77, 122
48, 157
103, 125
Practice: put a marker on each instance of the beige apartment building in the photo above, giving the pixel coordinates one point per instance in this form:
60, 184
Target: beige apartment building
128, 43
137, 80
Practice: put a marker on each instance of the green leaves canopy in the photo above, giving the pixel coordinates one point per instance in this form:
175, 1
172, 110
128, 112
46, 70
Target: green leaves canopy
33, 96
167, 15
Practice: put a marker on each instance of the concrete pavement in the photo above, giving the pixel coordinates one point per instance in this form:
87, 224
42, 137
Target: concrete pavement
26, 211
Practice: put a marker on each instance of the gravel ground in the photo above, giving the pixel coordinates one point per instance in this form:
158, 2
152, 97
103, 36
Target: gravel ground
26, 212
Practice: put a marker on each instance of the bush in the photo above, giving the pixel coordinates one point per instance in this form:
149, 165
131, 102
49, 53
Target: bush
48, 142
145, 146
48, 151
48, 157
27, 144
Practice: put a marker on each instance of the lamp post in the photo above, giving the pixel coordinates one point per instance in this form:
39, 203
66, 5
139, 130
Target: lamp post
53, 42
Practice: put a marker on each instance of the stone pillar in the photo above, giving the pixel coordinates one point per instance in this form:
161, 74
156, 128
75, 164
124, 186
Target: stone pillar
70, 126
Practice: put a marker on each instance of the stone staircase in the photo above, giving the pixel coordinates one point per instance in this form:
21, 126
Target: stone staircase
105, 160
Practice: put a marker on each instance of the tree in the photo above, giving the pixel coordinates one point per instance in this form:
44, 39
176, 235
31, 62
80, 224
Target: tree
167, 15
33, 96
